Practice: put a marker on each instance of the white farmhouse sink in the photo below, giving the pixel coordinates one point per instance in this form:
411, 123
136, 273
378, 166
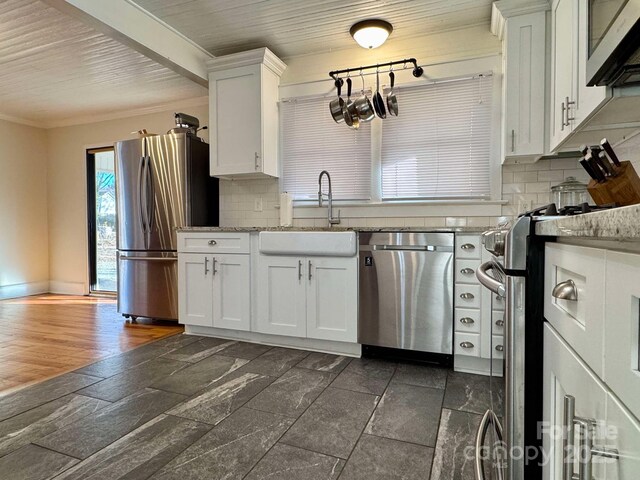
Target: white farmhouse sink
332, 244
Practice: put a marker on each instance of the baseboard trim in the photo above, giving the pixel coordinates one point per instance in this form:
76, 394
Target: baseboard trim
67, 288
23, 289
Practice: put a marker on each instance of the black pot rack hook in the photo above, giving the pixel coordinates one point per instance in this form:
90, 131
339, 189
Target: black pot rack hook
417, 69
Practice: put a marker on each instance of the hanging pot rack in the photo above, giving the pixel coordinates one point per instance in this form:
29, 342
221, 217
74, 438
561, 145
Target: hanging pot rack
417, 69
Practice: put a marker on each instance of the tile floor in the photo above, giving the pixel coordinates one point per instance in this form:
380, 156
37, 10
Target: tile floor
189, 407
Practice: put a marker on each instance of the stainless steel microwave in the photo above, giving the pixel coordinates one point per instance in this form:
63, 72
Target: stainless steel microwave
613, 42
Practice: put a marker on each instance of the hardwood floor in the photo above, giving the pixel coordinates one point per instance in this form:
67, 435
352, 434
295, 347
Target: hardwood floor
46, 335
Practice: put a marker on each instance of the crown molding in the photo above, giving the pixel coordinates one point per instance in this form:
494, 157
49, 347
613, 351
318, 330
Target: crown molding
504, 9
250, 57
21, 121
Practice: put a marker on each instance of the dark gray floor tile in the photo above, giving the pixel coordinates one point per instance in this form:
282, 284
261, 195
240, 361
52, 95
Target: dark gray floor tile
222, 398
454, 455
420, 375
408, 413
285, 462
325, 362
34, 463
292, 393
44, 392
276, 361
199, 350
177, 341
130, 381
38, 422
195, 377
96, 431
230, 450
376, 458
333, 423
142, 452
119, 363
366, 376
471, 393
246, 350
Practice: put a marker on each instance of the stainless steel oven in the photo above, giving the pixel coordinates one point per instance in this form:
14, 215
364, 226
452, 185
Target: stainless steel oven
613, 42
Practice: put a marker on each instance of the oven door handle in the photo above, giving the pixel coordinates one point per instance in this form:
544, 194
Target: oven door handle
488, 281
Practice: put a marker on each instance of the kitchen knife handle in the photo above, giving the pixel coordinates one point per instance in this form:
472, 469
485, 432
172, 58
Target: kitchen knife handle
588, 169
603, 161
609, 150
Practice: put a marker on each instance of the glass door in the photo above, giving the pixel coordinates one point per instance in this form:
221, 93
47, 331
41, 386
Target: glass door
101, 207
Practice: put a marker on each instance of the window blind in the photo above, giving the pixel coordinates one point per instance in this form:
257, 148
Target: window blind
439, 146
312, 142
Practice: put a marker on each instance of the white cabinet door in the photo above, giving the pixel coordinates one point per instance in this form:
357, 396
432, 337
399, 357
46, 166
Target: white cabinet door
332, 298
563, 68
235, 121
231, 292
566, 375
281, 302
194, 289
524, 85
623, 435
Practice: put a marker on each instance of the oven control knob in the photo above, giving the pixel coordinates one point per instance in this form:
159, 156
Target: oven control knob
493, 241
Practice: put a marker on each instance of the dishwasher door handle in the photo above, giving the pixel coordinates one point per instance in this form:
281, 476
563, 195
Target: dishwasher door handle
415, 248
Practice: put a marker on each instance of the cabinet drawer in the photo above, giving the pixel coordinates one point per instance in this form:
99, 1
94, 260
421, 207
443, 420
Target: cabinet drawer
580, 321
467, 296
622, 339
213, 242
467, 320
468, 246
466, 271
467, 344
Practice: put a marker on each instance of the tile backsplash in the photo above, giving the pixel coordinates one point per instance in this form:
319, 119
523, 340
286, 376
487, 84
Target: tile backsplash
524, 186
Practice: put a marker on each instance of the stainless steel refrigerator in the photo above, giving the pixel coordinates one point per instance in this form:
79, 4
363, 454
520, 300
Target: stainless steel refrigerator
162, 183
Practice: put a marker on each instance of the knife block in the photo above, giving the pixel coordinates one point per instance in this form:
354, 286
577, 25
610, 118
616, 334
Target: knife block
623, 189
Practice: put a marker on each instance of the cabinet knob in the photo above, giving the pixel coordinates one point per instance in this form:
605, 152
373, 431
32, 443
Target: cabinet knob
467, 321
500, 323
467, 345
212, 242
467, 271
499, 348
468, 246
467, 296
566, 290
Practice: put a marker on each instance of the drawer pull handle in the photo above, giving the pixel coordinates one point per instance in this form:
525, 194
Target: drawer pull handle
467, 271
500, 323
566, 291
467, 296
212, 242
468, 246
499, 348
467, 321
467, 345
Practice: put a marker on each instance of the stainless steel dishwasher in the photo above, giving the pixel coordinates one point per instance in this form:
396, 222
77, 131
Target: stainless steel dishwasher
406, 291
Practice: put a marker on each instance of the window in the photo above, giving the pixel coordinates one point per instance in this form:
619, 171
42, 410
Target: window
312, 142
440, 145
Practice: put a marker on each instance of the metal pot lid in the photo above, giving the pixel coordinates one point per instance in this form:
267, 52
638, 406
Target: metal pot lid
570, 184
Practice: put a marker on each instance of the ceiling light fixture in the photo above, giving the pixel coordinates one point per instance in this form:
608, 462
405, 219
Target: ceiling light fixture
371, 33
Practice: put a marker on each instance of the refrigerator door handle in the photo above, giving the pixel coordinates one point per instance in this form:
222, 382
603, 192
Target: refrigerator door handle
141, 196
149, 259
150, 196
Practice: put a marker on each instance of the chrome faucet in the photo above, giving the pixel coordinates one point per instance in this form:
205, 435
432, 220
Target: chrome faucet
332, 220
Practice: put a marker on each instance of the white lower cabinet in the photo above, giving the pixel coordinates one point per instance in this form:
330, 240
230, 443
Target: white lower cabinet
313, 297
214, 290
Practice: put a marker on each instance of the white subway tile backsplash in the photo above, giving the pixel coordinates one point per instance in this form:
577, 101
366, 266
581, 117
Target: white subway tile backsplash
538, 187
524, 177
550, 176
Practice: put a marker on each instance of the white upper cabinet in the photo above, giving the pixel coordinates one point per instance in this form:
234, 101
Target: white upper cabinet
522, 29
243, 114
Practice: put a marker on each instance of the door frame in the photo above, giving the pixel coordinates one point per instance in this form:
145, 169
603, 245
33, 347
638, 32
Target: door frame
91, 217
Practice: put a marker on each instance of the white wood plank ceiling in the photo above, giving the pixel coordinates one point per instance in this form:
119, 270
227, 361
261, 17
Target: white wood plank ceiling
53, 67
296, 27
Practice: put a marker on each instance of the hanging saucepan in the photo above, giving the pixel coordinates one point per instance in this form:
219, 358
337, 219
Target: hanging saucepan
392, 101
337, 104
378, 102
349, 109
363, 105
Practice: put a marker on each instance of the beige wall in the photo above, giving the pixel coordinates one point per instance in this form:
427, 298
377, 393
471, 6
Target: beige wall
24, 261
67, 196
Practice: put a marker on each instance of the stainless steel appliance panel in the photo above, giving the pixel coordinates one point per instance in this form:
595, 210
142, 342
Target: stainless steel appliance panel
406, 291
129, 166
148, 284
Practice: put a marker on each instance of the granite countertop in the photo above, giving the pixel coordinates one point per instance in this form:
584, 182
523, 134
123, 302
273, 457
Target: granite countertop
336, 229
616, 224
